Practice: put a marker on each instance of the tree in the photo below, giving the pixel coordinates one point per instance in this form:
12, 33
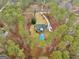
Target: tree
65, 54
21, 26
60, 54
33, 21
56, 55
57, 12
13, 50
10, 14
68, 38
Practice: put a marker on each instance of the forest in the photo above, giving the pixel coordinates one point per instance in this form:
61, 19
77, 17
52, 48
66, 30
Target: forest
39, 29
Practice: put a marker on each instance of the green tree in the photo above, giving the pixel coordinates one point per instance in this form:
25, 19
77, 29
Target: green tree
22, 31
33, 21
68, 38
57, 12
11, 14
57, 33
56, 55
65, 54
13, 50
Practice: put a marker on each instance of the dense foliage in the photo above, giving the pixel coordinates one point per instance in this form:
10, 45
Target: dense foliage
33, 21
9, 16
13, 49
67, 32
